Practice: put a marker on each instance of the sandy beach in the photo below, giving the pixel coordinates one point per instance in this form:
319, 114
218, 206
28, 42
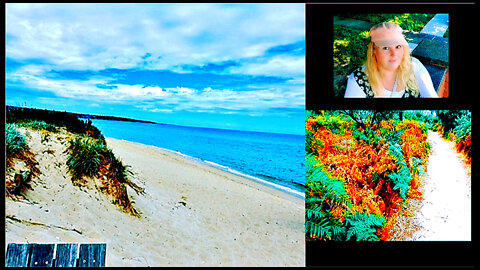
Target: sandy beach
191, 214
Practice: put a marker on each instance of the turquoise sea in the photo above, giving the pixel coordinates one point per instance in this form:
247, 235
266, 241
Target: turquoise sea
269, 158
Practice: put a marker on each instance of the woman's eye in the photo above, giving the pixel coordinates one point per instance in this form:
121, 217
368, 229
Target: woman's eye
385, 48
399, 46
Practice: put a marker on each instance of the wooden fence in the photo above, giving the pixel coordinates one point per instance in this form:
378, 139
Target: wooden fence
55, 255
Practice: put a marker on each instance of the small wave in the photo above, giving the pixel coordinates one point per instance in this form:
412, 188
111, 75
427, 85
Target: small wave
277, 186
268, 177
217, 165
265, 182
257, 179
298, 184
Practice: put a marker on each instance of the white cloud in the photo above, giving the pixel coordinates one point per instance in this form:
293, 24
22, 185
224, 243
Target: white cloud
281, 65
98, 36
162, 110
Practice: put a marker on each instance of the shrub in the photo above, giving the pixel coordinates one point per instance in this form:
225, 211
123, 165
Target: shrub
463, 131
408, 21
349, 47
50, 120
463, 126
40, 125
349, 52
457, 126
14, 140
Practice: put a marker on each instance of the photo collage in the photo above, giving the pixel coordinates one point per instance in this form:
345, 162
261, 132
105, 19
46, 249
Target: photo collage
310, 134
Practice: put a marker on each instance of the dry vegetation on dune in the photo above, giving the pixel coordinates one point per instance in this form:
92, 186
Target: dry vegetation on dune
87, 159
20, 163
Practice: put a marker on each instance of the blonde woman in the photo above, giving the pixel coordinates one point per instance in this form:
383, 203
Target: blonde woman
389, 71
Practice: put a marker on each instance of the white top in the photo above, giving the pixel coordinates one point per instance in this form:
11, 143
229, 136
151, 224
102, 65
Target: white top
422, 76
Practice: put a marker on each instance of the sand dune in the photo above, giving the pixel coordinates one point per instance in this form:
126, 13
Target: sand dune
191, 214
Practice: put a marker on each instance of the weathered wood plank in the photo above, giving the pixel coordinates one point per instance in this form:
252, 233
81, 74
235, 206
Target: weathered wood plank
66, 255
17, 255
41, 255
92, 255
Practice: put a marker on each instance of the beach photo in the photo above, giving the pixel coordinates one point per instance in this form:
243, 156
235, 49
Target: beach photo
388, 175
155, 135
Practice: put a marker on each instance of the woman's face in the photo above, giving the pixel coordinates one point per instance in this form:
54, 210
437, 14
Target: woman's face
389, 57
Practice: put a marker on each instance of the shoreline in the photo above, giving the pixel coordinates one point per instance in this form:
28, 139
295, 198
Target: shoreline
226, 169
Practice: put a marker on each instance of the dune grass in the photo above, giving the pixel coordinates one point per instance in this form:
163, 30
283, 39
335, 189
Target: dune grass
90, 158
84, 157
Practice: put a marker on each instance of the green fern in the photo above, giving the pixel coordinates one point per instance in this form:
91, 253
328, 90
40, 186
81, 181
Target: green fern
321, 230
321, 225
360, 136
401, 181
363, 227
463, 126
319, 222
417, 166
314, 213
316, 222
402, 177
332, 189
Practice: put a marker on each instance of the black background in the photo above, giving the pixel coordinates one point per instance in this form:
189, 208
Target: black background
464, 83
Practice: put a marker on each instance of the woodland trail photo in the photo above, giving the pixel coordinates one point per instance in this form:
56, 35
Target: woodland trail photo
388, 175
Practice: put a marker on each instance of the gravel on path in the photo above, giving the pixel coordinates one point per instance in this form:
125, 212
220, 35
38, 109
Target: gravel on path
445, 211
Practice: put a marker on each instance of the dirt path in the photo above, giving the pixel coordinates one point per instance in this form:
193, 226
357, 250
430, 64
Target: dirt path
445, 212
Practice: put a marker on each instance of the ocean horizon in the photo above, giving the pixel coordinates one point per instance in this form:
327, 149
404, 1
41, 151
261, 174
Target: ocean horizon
272, 159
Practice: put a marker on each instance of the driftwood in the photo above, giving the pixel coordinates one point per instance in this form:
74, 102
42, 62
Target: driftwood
12, 217
20, 181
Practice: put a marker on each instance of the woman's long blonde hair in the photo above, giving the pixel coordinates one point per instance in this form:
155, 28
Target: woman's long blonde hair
405, 74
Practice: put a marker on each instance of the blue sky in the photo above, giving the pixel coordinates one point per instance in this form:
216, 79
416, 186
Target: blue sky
233, 66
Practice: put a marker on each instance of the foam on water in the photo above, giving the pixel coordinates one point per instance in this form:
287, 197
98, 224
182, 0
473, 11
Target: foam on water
283, 188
